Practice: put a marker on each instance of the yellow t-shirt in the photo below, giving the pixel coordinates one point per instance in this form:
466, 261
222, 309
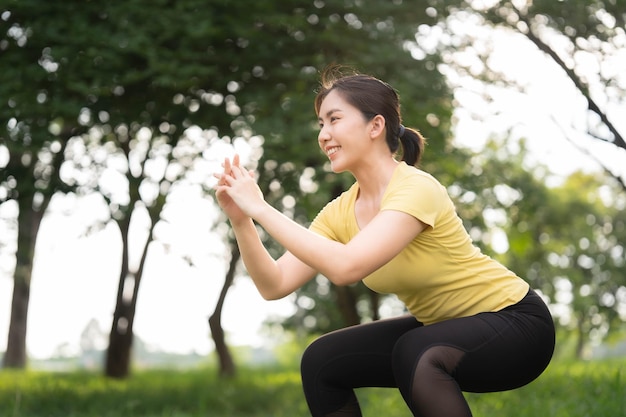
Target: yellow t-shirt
440, 274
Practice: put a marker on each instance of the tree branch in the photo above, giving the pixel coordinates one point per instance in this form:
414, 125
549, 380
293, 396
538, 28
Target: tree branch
618, 140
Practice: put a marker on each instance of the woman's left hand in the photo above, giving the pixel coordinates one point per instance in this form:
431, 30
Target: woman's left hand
241, 187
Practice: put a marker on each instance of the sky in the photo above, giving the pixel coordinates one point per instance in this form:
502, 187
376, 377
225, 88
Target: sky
75, 274
75, 280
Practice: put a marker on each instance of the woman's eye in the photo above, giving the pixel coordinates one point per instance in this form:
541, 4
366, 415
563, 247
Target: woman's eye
330, 120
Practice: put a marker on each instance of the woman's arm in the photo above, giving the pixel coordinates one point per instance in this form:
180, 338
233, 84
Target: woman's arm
385, 236
382, 239
273, 279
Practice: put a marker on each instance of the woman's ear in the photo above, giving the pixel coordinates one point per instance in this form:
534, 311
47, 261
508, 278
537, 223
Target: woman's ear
377, 126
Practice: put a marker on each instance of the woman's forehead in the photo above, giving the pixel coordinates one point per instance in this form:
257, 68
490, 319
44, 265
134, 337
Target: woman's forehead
334, 101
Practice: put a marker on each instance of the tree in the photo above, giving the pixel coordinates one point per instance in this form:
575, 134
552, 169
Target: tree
35, 143
276, 101
426, 105
226, 366
79, 81
583, 39
152, 167
590, 285
563, 239
574, 256
124, 72
464, 183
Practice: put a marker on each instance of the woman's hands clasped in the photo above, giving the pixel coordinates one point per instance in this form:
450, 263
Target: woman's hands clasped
237, 192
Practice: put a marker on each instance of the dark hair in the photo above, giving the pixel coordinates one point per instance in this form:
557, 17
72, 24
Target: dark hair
373, 96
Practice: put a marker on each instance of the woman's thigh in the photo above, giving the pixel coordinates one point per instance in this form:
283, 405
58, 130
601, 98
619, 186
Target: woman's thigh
500, 351
516, 347
356, 356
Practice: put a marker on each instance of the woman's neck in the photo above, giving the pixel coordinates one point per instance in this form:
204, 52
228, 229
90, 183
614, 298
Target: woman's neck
373, 178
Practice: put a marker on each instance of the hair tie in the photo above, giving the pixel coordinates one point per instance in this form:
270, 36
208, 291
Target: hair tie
401, 131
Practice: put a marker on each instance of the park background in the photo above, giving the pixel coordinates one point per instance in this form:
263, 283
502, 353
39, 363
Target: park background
113, 125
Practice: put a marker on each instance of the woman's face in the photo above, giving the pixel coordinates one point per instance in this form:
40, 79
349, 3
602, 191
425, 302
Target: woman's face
343, 132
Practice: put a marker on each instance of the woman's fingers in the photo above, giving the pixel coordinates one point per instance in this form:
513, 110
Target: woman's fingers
227, 166
226, 170
232, 171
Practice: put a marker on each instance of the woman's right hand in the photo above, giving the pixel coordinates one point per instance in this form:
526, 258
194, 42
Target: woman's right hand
227, 204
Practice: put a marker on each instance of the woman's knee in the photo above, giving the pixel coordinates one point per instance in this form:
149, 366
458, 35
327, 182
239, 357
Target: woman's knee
316, 356
309, 358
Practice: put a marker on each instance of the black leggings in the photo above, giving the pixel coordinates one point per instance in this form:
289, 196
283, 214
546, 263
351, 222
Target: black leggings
431, 365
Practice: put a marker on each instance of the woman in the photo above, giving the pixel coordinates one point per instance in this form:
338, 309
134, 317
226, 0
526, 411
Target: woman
473, 325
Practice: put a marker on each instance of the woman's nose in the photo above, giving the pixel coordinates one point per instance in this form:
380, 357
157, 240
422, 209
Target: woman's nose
323, 135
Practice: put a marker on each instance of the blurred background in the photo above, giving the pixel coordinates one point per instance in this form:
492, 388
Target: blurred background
114, 117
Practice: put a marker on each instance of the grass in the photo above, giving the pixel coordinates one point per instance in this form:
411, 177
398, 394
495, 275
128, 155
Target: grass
566, 389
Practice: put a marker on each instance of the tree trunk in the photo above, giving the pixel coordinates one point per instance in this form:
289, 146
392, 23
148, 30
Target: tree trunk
374, 304
226, 362
117, 361
118, 357
29, 220
15, 355
120, 343
581, 338
346, 300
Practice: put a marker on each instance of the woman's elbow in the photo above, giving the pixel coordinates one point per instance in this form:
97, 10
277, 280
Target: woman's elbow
273, 295
346, 275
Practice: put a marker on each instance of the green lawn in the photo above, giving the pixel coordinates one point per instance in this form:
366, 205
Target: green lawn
567, 389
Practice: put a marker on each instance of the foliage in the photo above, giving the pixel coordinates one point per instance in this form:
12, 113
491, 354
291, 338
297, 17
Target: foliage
566, 389
564, 239
128, 79
589, 261
583, 40
125, 81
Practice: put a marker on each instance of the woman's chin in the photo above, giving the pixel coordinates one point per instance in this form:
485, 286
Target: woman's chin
337, 168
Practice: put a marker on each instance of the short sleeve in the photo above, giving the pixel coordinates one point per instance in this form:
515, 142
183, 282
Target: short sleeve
419, 195
321, 224
336, 220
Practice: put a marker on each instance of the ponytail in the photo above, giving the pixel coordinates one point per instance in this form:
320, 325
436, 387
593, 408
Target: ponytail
412, 145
